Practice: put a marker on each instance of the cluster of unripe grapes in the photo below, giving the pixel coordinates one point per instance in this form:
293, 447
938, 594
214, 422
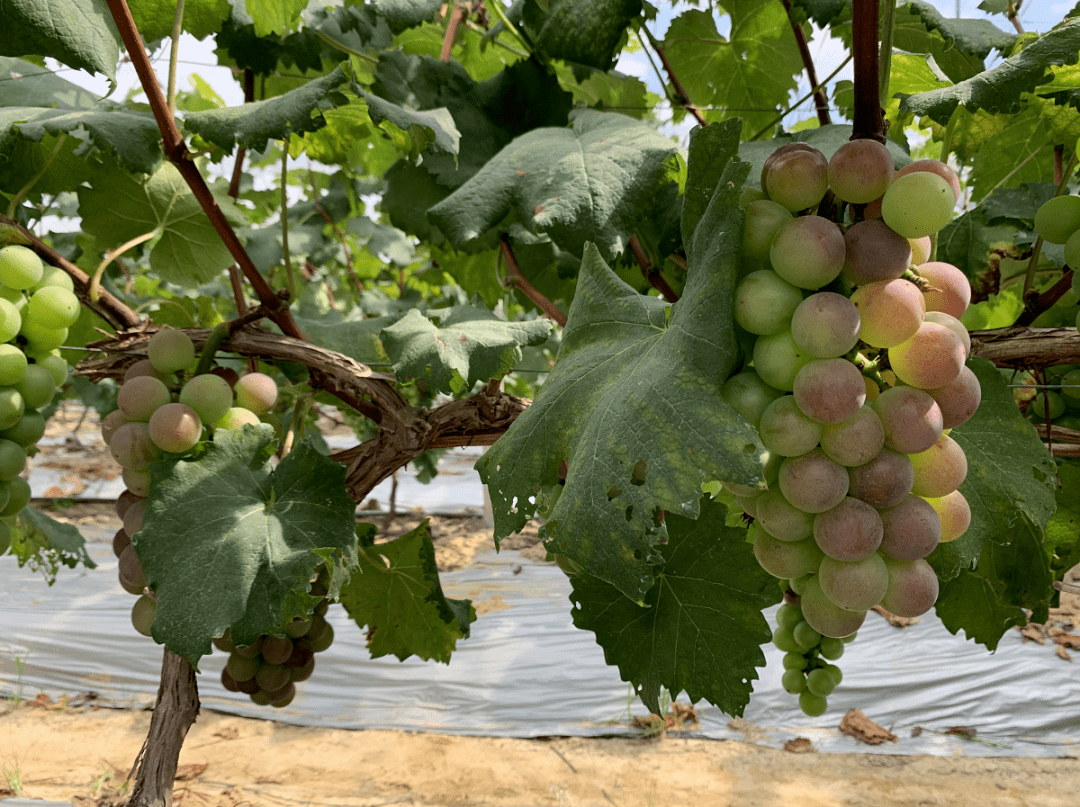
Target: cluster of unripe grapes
858, 374
1058, 222
37, 306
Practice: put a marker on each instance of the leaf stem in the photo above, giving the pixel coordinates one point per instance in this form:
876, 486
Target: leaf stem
802, 100
16, 200
174, 54
221, 332
821, 101
515, 278
651, 273
680, 92
950, 133
95, 282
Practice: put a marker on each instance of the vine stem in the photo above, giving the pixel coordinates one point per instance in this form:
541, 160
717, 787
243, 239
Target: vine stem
1029, 276
516, 278
821, 101
680, 92
174, 54
869, 122
457, 14
176, 151
234, 192
652, 274
1013, 13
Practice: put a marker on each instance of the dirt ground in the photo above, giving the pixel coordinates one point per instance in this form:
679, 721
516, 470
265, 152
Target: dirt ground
82, 753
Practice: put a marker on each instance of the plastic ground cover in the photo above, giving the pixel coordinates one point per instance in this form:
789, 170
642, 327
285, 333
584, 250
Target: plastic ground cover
527, 672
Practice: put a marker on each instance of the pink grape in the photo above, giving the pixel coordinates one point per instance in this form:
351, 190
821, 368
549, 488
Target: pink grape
850, 531
954, 513
787, 148
854, 585
132, 577
912, 529
813, 483
891, 311
911, 418
950, 291
256, 392
954, 325
146, 367
781, 519
798, 180
785, 430
808, 252
874, 252
940, 469
885, 481
856, 440
913, 588
829, 390
175, 428
132, 447
959, 399
140, 397
826, 325
932, 358
860, 171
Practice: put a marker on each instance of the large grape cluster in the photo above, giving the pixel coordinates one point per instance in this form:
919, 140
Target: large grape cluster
37, 306
163, 411
858, 374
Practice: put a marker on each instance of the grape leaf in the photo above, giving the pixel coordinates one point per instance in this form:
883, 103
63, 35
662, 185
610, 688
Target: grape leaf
468, 345
708, 157
748, 76
403, 14
1012, 156
154, 18
188, 252
1000, 89
274, 16
397, 594
586, 32
229, 542
411, 191
237, 44
975, 36
1019, 204
825, 12
588, 183
27, 85
966, 242
1010, 482
701, 628
1063, 532
632, 405
45, 544
78, 33
356, 338
432, 127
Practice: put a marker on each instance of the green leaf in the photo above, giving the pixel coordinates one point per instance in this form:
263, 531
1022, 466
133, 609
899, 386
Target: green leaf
274, 16
1013, 156
1000, 89
396, 593
468, 345
434, 127
46, 544
229, 542
411, 191
825, 12
701, 628
975, 36
588, 183
632, 407
253, 125
1010, 482
586, 32
403, 14
1063, 532
355, 338
154, 18
1017, 205
707, 160
120, 207
748, 76
27, 85
967, 241
78, 33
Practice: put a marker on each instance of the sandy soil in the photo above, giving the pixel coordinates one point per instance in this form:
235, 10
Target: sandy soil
83, 755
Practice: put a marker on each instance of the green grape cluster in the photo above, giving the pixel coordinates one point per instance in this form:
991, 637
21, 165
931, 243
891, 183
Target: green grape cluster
37, 305
165, 411
858, 373
1058, 222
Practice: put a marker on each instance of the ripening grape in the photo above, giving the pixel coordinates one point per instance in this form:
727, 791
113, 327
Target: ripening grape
954, 513
237, 417
797, 179
20, 267
110, 423
826, 325
124, 501
785, 558
12, 364
873, 252
850, 531
813, 483
918, 204
949, 292
777, 359
242, 668
140, 397
829, 390
277, 649
934, 167
36, 387
1056, 219
12, 459
146, 367
860, 171
911, 529
920, 249
911, 418
785, 430
143, 613
132, 447
133, 516
932, 358
175, 428
913, 588
745, 391
891, 311
857, 585
53, 307
170, 350
256, 392
251, 650
763, 219
940, 469
11, 321
209, 395
138, 482
954, 325
856, 440
885, 481
808, 252
781, 519
824, 616
787, 148
764, 302
132, 576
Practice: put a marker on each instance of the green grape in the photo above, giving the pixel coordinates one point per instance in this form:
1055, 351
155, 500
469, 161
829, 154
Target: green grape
783, 639
826, 325
42, 341
764, 302
1057, 219
785, 430
885, 481
911, 418
138, 482
820, 682
873, 253
237, 417
832, 648
260, 698
891, 311
143, 613
325, 640
808, 252
1046, 400
54, 276
11, 407
793, 681
18, 497
57, 367
249, 651
763, 219
788, 616
297, 628
170, 350
856, 586
954, 513
10, 321
856, 440
932, 358
940, 469
750, 194
37, 387
949, 291
918, 204
934, 167
256, 392
913, 588
829, 390
783, 520
12, 459
825, 617
209, 395
302, 672
5, 494
5, 537
1072, 251
921, 249
145, 367
175, 428
778, 359
795, 661
910, 530
798, 179
785, 559
12, 365
224, 642
813, 483
860, 170
20, 267
282, 697
53, 307
277, 649
834, 671
241, 667
849, 532
812, 705
805, 636
798, 583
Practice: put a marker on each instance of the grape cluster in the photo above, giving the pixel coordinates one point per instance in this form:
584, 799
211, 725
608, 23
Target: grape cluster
164, 411
37, 306
1058, 222
858, 374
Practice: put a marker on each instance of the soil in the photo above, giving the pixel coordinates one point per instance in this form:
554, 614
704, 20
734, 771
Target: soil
76, 751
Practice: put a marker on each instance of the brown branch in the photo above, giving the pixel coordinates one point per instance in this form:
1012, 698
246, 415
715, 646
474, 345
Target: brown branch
1037, 304
108, 307
515, 278
821, 101
1026, 347
869, 120
457, 14
652, 274
1013, 13
337, 231
238, 165
680, 92
177, 152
